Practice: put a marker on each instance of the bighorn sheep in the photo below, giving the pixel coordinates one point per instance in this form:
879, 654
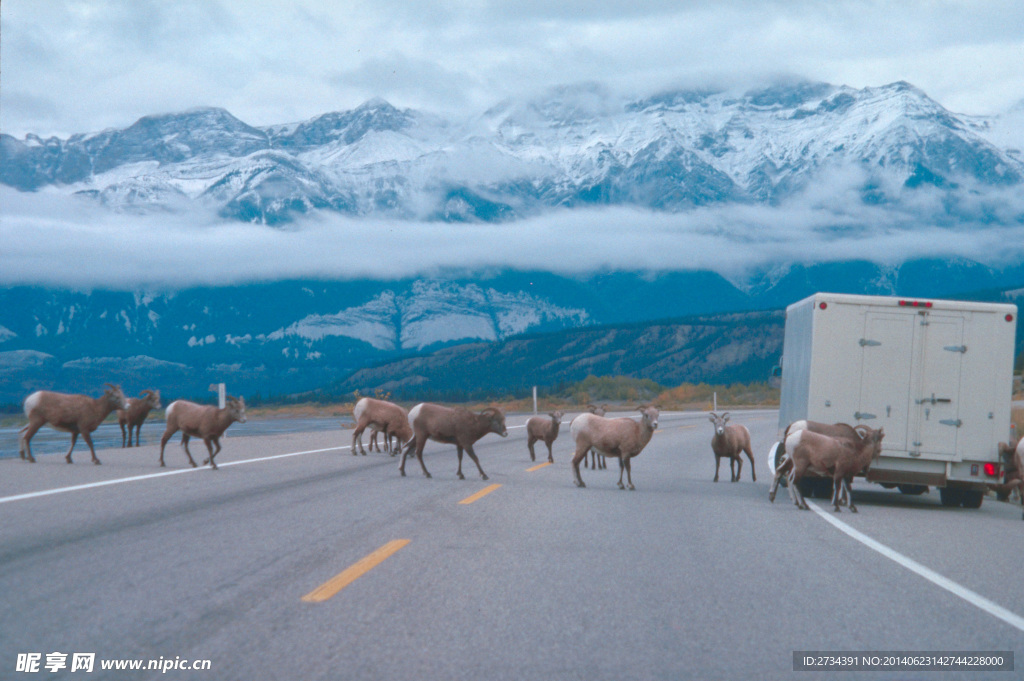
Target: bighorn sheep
380, 415
596, 460
622, 438
206, 422
731, 441
841, 431
454, 426
543, 428
1013, 458
134, 415
840, 458
75, 414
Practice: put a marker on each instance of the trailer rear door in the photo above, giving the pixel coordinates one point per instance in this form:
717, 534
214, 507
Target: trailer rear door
937, 405
886, 365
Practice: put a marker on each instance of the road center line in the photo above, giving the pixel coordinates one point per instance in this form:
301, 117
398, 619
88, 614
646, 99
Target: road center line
150, 476
350, 574
538, 467
479, 495
949, 585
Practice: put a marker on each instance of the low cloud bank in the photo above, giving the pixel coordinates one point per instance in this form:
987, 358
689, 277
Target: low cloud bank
51, 239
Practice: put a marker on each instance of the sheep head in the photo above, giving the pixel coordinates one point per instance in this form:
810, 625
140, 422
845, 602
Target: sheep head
152, 397
115, 398
496, 422
719, 421
650, 416
236, 408
556, 415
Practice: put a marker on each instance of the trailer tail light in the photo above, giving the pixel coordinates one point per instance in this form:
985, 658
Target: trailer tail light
823, 305
915, 303
991, 470
1009, 317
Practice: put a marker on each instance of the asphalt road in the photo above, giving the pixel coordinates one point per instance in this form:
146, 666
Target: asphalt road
682, 579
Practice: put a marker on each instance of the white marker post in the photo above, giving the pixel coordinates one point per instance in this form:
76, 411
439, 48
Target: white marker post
534, 399
222, 395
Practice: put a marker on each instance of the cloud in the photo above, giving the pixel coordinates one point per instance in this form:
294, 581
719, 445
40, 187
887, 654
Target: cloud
83, 65
62, 241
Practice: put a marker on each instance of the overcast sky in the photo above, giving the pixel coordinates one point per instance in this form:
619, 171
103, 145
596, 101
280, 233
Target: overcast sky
84, 65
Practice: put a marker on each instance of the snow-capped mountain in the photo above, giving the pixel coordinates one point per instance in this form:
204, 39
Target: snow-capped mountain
576, 146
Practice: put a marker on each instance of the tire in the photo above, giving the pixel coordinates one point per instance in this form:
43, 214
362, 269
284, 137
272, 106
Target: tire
913, 489
950, 497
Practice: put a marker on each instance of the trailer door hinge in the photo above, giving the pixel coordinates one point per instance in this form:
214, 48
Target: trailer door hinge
864, 342
951, 422
956, 348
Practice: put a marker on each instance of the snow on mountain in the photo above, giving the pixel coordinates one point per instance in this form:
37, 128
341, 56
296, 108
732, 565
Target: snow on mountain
433, 313
578, 145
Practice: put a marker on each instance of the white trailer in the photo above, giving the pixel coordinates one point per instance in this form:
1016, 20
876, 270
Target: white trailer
937, 375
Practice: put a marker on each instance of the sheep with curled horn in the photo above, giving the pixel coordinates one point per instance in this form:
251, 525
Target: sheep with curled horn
454, 426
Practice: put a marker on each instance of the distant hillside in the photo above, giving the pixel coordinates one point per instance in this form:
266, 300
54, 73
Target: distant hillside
714, 348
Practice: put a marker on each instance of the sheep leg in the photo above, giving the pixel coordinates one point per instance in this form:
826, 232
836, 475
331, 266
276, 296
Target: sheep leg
798, 496
472, 455
415, 442
25, 437
849, 496
74, 439
629, 474
739, 468
551, 457
837, 492
602, 461
529, 445
459, 472
92, 450
622, 469
208, 441
718, 460
357, 436
126, 434
184, 443
163, 443
750, 455
579, 456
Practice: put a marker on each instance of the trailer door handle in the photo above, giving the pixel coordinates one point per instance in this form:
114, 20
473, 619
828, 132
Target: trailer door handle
860, 415
956, 348
934, 400
864, 343
951, 422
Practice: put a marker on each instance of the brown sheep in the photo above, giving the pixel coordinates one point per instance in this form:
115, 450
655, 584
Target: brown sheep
75, 414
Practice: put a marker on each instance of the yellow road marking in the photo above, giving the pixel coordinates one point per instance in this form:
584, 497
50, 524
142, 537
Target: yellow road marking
335, 584
538, 467
479, 495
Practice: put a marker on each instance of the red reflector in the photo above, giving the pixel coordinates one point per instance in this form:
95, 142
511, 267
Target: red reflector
1009, 317
990, 470
822, 305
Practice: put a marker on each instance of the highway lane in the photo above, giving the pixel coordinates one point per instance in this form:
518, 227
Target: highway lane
684, 578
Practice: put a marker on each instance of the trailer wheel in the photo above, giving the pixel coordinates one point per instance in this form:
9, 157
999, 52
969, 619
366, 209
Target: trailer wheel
950, 497
972, 498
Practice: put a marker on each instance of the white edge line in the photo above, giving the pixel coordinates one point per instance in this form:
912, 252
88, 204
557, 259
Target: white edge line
150, 476
949, 585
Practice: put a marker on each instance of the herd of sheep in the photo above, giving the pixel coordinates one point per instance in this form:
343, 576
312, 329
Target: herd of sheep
836, 451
